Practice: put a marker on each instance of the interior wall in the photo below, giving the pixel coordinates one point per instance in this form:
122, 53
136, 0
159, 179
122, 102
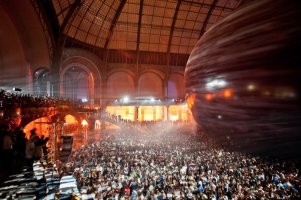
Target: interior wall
120, 84
88, 62
77, 83
23, 45
150, 85
12, 59
175, 86
31, 33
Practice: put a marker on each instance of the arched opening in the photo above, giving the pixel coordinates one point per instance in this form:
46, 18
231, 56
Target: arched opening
150, 85
42, 125
78, 84
41, 82
70, 126
120, 84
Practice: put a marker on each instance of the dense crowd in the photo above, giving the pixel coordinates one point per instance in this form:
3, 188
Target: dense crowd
11, 100
177, 166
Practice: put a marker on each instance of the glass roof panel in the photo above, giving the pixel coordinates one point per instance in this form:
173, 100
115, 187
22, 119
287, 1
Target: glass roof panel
93, 22
183, 50
91, 39
61, 18
157, 20
126, 28
72, 31
153, 47
174, 48
143, 46
80, 34
189, 24
176, 41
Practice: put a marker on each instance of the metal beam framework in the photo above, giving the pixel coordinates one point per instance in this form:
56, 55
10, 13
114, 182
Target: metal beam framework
114, 22
92, 23
173, 27
139, 24
73, 8
82, 19
205, 24
49, 34
51, 18
206, 4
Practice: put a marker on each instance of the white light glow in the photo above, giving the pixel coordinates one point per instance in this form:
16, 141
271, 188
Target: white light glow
126, 99
251, 87
97, 125
84, 123
173, 117
215, 84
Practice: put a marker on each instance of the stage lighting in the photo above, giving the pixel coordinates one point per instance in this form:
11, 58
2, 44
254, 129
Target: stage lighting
17, 89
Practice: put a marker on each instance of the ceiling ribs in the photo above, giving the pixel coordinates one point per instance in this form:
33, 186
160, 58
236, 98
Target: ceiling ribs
205, 24
206, 4
139, 24
82, 19
114, 22
73, 9
92, 24
173, 25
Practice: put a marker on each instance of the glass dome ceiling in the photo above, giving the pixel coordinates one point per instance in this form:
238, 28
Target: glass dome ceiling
146, 25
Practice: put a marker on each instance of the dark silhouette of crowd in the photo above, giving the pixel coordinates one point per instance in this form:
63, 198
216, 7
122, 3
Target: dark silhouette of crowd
16, 151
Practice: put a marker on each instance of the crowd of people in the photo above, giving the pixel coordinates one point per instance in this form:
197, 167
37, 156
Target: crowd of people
161, 162
11, 102
176, 165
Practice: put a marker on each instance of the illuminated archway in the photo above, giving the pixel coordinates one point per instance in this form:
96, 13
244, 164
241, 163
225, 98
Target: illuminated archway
41, 84
43, 126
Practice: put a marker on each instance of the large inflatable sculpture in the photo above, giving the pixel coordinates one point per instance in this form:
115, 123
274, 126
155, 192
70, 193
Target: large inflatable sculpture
243, 79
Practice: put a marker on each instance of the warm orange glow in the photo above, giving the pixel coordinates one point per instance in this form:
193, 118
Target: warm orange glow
125, 112
151, 113
228, 93
69, 119
159, 113
191, 100
42, 125
84, 123
148, 115
209, 97
18, 111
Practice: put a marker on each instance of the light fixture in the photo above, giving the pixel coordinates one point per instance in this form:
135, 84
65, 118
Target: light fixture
126, 99
84, 123
251, 87
17, 89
